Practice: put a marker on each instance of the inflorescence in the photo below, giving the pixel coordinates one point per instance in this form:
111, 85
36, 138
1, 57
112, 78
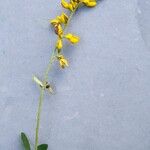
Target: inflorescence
60, 24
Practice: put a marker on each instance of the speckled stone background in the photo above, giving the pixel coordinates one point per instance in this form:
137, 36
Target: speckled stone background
102, 101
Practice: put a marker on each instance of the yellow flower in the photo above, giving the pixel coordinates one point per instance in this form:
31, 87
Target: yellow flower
72, 38
62, 61
74, 3
90, 3
65, 4
69, 5
59, 44
63, 18
58, 30
54, 22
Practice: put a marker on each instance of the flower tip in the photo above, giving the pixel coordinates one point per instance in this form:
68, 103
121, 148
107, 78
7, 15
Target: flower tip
62, 61
59, 44
90, 3
72, 38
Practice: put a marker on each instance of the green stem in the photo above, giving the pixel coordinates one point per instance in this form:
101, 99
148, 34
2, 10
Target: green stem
38, 117
41, 97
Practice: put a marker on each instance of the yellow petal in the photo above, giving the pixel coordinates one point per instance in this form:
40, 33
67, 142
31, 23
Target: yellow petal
61, 64
59, 44
72, 38
65, 62
73, 3
54, 21
63, 18
90, 3
58, 30
62, 61
71, 8
65, 4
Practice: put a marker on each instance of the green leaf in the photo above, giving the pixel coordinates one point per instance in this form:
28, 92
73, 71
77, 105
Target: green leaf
25, 141
43, 147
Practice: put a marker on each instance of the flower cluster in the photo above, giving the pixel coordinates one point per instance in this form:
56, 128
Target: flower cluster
74, 3
60, 23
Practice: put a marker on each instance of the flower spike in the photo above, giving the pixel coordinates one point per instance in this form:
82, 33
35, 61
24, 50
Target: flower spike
60, 24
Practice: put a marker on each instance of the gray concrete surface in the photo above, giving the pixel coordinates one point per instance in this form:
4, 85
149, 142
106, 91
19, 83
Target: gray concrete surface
102, 101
